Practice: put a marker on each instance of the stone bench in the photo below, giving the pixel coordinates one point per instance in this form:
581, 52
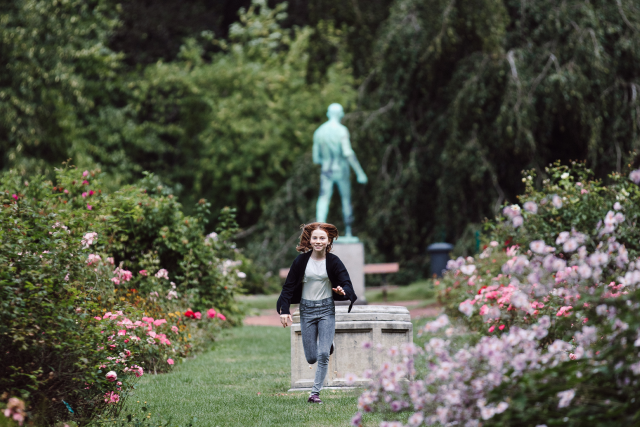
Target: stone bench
377, 324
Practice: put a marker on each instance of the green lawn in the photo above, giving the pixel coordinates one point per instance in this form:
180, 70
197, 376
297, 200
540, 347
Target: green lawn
242, 382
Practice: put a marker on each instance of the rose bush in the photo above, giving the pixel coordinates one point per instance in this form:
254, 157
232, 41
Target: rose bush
94, 288
551, 313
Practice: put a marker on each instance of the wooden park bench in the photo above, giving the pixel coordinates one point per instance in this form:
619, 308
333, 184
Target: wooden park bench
381, 268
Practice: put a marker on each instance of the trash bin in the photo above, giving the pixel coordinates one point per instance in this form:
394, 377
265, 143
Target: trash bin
439, 253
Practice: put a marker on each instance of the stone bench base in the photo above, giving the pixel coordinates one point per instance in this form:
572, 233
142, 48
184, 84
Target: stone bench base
386, 326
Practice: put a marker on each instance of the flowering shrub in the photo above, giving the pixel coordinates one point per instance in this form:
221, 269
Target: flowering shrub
552, 315
93, 293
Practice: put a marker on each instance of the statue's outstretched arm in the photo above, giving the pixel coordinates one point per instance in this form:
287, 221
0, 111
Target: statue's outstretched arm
348, 152
355, 164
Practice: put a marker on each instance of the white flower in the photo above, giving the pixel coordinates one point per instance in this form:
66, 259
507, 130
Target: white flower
556, 201
212, 236
416, 419
566, 397
562, 237
468, 269
585, 271
570, 245
502, 406
635, 176
617, 206
242, 275
564, 175
493, 244
466, 308
538, 246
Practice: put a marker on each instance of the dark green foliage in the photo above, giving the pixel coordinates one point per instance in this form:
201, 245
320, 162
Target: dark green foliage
155, 30
465, 95
54, 66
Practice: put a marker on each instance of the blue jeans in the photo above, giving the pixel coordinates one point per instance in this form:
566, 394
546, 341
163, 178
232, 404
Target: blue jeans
318, 327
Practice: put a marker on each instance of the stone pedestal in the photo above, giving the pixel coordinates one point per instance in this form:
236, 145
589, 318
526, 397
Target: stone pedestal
352, 256
385, 325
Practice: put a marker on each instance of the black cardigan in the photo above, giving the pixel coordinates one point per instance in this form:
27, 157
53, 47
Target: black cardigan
292, 288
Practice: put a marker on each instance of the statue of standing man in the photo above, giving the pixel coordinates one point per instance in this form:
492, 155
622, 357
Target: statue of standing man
332, 150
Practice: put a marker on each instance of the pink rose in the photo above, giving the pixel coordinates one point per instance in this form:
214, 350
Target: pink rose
170, 361
222, 316
143, 273
111, 376
198, 315
211, 313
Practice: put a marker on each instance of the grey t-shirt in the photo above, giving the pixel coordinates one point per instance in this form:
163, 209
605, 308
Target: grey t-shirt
316, 281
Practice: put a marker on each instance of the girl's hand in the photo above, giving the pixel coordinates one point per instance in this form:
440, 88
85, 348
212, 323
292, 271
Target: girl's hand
284, 318
338, 290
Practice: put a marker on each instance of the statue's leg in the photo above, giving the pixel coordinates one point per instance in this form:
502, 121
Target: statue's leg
326, 191
344, 186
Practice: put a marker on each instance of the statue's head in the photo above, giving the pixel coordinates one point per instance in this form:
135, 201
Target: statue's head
335, 111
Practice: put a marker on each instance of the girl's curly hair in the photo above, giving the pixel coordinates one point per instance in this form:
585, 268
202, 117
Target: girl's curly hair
307, 229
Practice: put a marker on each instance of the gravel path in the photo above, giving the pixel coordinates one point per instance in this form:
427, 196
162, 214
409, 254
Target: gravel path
270, 318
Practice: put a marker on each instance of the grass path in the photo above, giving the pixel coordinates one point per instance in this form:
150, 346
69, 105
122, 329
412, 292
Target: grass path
244, 382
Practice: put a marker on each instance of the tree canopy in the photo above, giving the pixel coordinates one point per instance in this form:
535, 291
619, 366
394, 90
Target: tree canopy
447, 102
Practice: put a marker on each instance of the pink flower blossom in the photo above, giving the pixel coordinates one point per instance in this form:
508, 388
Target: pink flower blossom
221, 316
162, 274
84, 195
85, 182
85, 174
197, 315
143, 273
111, 376
122, 332
531, 207
159, 322
89, 207
88, 239
91, 192
15, 197
564, 311
137, 370
492, 328
112, 397
175, 329
211, 313
501, 327
170, 361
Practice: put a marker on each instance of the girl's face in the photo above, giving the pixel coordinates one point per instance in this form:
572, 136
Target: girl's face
319, 240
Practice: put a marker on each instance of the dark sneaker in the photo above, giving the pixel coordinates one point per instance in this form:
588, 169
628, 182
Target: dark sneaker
314, 398
333, 345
